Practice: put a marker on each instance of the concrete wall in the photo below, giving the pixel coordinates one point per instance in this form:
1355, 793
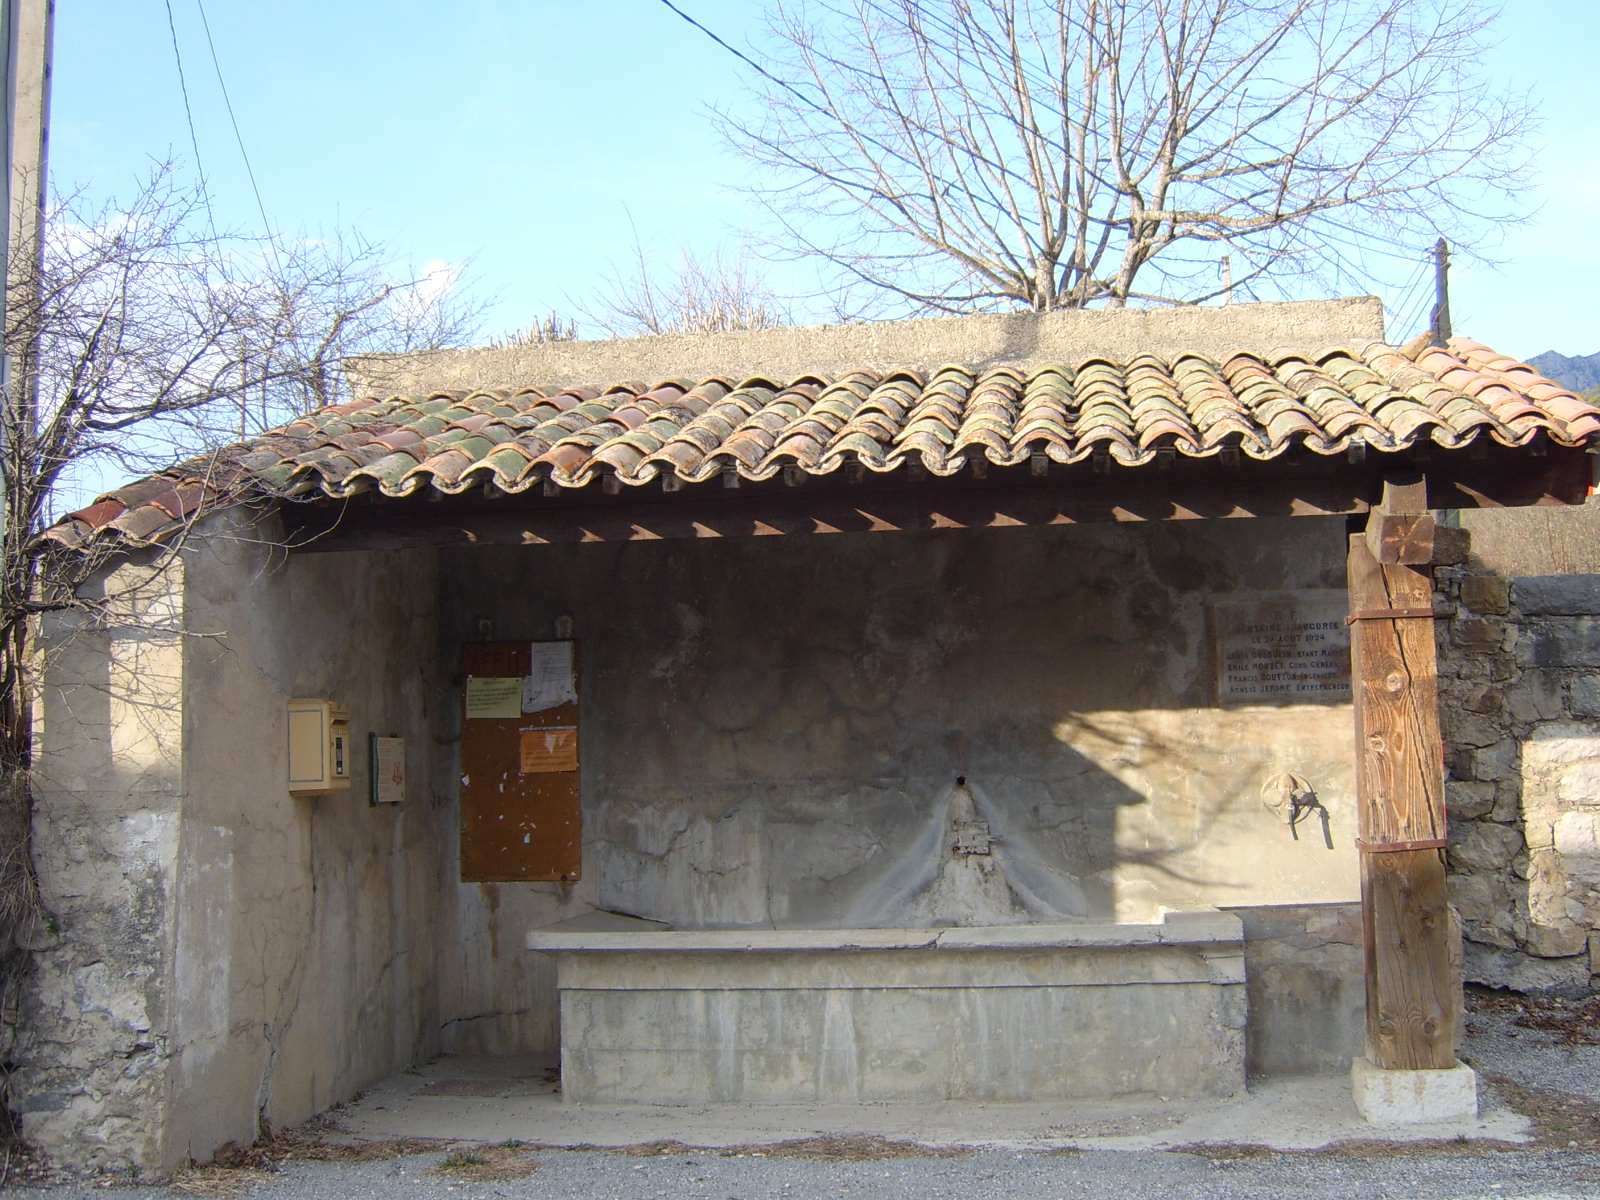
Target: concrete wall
230, 954
1021, 339
92, 1060
1306, 987
772, 728
1545, 540
308, 926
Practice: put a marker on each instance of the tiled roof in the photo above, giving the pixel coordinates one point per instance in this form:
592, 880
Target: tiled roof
694, 430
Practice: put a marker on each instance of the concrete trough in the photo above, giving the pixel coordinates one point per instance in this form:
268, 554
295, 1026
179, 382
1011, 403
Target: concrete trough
1010, 1013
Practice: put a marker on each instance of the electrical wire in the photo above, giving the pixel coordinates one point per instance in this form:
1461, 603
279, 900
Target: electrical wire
272, 242
835, 118
1414, 300
188, 113
737, 53
1418, 298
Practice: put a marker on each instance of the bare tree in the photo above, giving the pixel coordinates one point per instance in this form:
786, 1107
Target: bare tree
716, 294
147, 335
971, 154
552, 327
140, 335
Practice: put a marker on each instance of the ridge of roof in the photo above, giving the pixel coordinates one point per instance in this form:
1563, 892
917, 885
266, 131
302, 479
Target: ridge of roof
978, 340
692, 430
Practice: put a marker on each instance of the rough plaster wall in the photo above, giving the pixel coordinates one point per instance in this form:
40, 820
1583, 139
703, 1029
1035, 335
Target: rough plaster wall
92, 1076
227, 952
1021, 339
308, 928
1520, 700
770, 725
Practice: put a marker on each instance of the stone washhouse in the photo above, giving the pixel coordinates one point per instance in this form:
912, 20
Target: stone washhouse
779, 716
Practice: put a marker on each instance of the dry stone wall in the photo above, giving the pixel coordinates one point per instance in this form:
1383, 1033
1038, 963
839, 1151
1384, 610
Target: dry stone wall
1519, 667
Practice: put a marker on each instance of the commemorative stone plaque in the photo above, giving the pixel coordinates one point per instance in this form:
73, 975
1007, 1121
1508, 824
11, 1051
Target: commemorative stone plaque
1282, 648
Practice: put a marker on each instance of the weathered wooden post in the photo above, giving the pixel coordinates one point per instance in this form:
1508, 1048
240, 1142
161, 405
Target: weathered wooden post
1410, 1071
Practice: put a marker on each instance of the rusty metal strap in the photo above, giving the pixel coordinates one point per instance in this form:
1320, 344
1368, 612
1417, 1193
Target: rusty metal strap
1388, 614
1389, 847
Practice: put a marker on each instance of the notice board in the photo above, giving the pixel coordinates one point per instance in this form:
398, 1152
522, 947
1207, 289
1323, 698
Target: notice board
520, 749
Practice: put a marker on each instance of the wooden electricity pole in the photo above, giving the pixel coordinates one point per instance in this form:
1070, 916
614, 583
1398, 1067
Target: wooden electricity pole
1412, 996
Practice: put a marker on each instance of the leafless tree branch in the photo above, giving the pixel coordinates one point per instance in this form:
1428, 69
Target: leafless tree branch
716, 294
965, 154
140, 336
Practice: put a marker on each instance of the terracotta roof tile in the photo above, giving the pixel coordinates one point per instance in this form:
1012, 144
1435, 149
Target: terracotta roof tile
695, 430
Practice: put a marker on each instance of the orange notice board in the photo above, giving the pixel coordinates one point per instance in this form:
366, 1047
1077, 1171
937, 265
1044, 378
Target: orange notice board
519, 762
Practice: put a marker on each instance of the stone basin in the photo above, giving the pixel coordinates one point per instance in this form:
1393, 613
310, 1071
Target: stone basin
1004, 1013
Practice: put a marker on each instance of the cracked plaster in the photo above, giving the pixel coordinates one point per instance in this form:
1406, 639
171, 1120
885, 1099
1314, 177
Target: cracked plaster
255, 956
770, 725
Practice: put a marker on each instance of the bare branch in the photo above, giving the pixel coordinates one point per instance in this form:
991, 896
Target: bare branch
141, 336
963, 154
705, 295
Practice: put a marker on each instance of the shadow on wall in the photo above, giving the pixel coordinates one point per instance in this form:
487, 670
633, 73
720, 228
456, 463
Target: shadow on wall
773, 728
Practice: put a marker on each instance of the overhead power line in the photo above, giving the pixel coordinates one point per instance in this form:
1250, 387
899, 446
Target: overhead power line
740, 54
188, 113
234, 121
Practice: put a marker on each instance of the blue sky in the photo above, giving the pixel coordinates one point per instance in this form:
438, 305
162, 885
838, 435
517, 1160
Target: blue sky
524, 135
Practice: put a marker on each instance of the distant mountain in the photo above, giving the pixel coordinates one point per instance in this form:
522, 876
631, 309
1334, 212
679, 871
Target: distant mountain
1580, 374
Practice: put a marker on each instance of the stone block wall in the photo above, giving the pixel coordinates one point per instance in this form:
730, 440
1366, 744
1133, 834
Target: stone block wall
1519, 679
88, 1079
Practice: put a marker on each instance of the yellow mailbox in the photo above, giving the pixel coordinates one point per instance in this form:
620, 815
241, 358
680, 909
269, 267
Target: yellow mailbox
319, 746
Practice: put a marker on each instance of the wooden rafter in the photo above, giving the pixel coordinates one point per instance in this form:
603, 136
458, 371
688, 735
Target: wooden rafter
900, 503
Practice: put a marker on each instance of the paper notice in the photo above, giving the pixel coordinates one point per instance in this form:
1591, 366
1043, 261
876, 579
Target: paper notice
388, 770
493, 696
545, 750
550, 683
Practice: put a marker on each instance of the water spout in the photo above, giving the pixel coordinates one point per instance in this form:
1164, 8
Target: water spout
966, 867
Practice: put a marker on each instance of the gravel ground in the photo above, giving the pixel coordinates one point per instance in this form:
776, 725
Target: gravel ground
1542, 1059
1553, 1045
693, 1175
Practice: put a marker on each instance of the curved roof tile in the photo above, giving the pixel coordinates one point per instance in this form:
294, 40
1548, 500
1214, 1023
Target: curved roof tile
514, 439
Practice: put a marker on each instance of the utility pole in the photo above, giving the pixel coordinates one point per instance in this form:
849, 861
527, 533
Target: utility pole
28, 74
28, 38
1439, 326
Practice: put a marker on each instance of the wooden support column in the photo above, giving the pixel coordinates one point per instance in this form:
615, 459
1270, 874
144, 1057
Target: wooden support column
1412, 993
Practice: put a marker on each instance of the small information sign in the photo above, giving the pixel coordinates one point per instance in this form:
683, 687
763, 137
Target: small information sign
388, 770
1282, 648
551, 681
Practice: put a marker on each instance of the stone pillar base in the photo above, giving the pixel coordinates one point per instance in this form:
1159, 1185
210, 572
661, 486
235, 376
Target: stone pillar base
1414, 1097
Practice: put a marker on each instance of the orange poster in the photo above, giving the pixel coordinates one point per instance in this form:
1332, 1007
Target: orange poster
545, 750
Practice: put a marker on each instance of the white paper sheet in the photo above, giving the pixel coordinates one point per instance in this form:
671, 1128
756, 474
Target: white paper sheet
550, 683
